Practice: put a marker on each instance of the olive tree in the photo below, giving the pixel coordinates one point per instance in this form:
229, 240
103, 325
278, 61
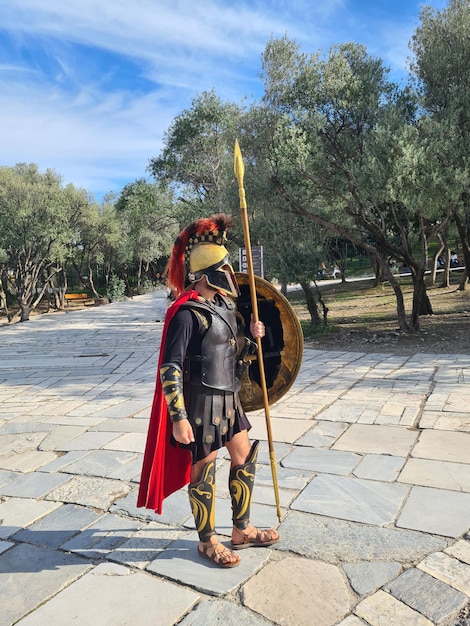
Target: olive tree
37, 216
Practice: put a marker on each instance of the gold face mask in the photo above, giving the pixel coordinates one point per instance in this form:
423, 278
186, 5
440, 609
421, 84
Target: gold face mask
213, 262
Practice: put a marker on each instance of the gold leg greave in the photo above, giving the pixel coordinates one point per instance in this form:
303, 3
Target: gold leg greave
202, 500
241, 480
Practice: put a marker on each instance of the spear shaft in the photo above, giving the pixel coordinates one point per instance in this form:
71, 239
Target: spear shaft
239, 173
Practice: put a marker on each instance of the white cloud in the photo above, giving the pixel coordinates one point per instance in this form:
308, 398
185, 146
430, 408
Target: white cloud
90, 86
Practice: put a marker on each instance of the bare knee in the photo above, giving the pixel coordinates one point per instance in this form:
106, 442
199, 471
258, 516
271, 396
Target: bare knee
239, 448
198, 467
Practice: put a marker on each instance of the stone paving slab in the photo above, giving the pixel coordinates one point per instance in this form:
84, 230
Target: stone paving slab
18, 513
377, 439
326, 461
382, 608
145, 545
57, 527
352, 499
366, 577
436, 511
334, 540
379, 467
305, 584
33, 485
372, 462
441, 474
30, 575
102, 537
90, 491
181, 562
443, 446
448, 570
222, 612
427, 595
113, 594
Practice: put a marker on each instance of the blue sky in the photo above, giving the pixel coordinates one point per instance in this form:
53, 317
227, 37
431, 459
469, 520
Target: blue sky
89, 87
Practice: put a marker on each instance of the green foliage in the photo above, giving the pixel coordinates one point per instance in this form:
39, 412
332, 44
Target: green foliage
314, 331
147, 286
116, 289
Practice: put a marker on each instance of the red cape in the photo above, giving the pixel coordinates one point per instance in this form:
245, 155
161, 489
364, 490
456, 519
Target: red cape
166, 468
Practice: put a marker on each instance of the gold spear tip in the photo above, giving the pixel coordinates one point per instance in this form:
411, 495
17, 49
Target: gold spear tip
238, 164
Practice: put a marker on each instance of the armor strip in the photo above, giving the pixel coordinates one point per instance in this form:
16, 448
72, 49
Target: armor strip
241, 480
201, 497
172, 387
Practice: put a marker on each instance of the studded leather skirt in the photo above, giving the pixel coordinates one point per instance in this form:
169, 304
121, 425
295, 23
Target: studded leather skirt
216, 416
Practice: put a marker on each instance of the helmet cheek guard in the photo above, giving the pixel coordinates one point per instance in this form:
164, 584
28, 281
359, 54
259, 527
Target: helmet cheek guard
220, 276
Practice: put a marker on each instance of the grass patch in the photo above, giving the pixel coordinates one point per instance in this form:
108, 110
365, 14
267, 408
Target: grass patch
316, 332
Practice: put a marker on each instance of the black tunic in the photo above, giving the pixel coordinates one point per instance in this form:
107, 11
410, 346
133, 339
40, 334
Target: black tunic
215, 415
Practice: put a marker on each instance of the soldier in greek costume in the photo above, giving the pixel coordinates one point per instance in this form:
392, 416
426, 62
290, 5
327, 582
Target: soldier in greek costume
197, 408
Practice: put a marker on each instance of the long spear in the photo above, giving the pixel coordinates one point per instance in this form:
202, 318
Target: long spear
239, 168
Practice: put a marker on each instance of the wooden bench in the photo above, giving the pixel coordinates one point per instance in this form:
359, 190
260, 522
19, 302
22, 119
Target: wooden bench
75, 297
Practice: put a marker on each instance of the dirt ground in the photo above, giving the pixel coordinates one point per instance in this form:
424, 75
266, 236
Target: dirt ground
365, 320
362, 318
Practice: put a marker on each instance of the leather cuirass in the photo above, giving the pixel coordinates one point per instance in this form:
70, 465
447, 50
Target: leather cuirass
218, 348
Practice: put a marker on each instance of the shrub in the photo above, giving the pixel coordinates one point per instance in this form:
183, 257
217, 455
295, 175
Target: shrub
116, 289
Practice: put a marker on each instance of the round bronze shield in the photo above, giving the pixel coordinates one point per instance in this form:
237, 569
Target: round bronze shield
282, 344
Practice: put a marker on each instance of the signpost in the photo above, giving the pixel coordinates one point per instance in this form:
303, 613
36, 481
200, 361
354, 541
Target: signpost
257, 256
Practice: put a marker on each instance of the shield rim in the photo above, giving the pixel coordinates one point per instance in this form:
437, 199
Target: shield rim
291, 355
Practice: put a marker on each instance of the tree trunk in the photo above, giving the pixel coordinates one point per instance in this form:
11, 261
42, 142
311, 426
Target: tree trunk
435, 259
311, 303
463, 281
401, 313
139, 276
3, 294
421, 302
464, 233
377, 272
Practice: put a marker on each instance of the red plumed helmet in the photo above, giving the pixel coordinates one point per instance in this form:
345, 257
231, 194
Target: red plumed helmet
184, 268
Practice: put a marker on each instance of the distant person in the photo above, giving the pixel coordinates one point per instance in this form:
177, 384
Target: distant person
322, 270
392, 264
454, 259
336, 270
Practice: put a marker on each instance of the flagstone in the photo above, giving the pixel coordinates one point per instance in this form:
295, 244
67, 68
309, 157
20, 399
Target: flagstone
144, 545
88, 441
122, 595
460, 550
437, 511
90, 491
379, 467
283, 429
443, 446
354, 499
382, 608
320, 460
305, 584
448, 570
377, 439
27, 461
30, 576
130, 442
17, 513
181, 563
33, 485
441, 474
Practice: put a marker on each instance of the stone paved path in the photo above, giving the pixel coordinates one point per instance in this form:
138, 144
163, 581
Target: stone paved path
373, 455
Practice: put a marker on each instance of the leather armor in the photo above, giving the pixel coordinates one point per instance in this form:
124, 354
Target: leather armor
218, 357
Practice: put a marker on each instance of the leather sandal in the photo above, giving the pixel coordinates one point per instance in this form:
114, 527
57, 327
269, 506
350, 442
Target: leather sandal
218, 557
254, 537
